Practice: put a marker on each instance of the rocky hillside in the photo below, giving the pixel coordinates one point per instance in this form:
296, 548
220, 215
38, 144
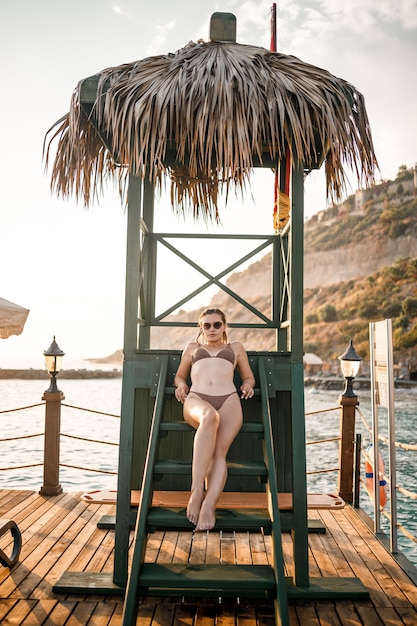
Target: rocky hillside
360, 266
254, 285
336, 313
347, 242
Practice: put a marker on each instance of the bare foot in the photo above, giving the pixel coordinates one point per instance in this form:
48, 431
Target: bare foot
194, 506
207, 518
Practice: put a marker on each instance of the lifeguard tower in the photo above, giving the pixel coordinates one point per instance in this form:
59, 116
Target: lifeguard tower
193, 117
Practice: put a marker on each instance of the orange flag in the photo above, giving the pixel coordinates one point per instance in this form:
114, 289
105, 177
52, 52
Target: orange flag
282, 203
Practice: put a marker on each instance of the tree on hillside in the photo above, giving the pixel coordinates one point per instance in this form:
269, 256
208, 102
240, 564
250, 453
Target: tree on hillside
404, 173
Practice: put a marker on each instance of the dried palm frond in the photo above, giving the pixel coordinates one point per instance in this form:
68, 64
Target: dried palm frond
218, 108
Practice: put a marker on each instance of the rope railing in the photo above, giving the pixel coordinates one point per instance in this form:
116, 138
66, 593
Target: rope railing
13, 467
22, 437
324, 471
364, 421
404, 446
398, 444
320, 441
405, 532
69, 406
382, 476
87, 439
111, 443
23, 408
334, 408
108, 443
87, 469
80, 408
316, 441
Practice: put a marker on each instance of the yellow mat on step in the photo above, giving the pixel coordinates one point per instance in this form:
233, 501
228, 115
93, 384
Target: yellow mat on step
228, 499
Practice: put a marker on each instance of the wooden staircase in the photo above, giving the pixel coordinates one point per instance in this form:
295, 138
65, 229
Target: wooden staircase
154, 440
203, 579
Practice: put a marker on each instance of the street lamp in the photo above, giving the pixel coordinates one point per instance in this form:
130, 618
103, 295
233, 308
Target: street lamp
53, 398
53, 362
350, 363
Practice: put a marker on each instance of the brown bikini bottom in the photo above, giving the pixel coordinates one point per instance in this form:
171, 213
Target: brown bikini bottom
215, 401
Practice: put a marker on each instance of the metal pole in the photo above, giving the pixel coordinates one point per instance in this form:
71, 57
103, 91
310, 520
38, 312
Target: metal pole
391, 436
375, 430
357, 472
51, 486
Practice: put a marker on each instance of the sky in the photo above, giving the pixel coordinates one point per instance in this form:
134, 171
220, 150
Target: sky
67, 264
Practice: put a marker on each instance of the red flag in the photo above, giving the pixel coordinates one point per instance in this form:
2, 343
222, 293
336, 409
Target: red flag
273, 47
281, 198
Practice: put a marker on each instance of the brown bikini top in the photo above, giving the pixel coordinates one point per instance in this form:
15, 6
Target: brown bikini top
225, 353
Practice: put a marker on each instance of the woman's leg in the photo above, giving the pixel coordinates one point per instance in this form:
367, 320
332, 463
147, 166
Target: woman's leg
205, 419
230, 424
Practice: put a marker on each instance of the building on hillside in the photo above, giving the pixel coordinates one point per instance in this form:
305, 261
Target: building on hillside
312, 363
408, 186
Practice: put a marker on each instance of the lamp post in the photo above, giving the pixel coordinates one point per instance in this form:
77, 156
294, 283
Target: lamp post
349, 363
53, 361
53, 398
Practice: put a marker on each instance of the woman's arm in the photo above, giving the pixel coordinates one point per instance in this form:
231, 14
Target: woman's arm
181, 377
246, 374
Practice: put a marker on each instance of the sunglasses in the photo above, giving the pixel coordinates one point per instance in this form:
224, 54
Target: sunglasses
215, 325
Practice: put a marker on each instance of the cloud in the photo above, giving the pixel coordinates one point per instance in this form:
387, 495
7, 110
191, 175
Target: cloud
359, 15
253, 23
158, 42
120, 11
404, 13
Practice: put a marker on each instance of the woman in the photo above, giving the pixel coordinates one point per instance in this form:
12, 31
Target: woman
211, 406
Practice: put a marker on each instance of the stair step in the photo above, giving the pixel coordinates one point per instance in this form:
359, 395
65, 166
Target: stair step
207, 580
174, 518
249, 468
179, 521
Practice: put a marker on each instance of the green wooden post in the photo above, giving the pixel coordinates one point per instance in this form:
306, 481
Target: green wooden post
133, 273
133, 267
281, 602
276, 294
140, 288
297, 264
300, 532
139, 545
121, 545
148, 269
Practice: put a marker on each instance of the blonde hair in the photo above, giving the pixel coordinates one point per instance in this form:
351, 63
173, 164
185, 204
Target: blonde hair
202, 315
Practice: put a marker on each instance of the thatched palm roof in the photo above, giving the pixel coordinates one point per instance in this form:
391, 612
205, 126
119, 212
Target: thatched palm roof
222, 108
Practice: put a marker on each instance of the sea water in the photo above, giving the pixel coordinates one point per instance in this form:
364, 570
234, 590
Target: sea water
96, 416
91, 409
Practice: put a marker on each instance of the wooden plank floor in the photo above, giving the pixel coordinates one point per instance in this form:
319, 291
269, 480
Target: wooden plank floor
60, 533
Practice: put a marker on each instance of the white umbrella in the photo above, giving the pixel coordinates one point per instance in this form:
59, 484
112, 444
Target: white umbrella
12, 318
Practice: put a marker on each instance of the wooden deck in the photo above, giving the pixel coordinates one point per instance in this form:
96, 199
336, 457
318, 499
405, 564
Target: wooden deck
60, 533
